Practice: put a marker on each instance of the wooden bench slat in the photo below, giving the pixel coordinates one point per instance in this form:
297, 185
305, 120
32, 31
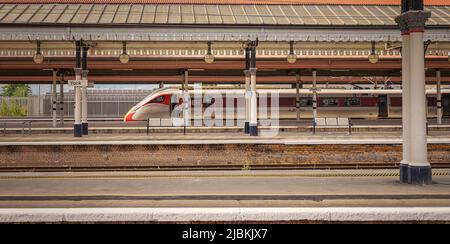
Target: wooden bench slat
343, 121
331, 122
321, 122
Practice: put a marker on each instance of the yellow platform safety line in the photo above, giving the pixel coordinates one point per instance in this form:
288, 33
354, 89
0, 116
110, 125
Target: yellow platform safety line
145, 177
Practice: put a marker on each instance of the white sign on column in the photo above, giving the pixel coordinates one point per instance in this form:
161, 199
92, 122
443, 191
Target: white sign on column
78, 82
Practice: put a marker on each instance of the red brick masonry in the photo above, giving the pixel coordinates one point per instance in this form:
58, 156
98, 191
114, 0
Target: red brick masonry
215, 155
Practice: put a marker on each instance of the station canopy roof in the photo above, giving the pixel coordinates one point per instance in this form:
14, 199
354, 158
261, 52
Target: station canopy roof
181, 29
166, 36
213, 12
238, 2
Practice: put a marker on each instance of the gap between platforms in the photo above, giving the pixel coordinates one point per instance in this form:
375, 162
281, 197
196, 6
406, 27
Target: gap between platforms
130, 140
205, 174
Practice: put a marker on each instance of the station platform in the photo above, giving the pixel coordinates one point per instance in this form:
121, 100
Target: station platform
199, 151
115, 126
281, 137
221, 196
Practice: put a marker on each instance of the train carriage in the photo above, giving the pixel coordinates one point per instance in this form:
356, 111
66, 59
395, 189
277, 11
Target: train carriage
230, 103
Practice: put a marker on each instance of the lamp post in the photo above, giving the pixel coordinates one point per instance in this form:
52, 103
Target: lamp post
124, 58
373, 57
291, 57
38, 58
209, 57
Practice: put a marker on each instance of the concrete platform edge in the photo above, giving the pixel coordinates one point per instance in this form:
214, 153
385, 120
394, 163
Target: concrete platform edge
61, 215
222, 141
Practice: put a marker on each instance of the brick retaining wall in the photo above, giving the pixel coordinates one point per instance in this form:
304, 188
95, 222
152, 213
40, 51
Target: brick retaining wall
198, 155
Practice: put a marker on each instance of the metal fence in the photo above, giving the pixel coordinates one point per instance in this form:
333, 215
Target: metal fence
21, 106
101, 103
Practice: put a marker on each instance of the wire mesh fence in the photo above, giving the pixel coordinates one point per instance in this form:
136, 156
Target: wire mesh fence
101, 103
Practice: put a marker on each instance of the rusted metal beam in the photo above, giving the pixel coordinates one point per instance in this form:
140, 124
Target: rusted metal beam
126, 79
323, 64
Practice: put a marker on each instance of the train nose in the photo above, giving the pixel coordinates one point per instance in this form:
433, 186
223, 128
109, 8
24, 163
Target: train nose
128, 117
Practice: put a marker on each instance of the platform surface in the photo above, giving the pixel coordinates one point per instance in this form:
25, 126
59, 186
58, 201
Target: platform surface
119, 123
218, 138
302, 188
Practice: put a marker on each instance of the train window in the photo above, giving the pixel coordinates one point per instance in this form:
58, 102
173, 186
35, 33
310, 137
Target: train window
330, 102
306, 102
159, 99
352, 101
196, 102
208, 101
445, 102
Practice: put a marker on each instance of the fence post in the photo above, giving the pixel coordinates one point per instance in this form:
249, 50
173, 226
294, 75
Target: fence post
349, 126
314, 127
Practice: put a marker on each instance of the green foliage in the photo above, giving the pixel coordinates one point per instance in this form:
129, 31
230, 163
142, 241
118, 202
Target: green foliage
4, 110
16, 90
12, 106
12, 109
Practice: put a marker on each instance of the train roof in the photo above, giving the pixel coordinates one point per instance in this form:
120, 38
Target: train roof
301, 91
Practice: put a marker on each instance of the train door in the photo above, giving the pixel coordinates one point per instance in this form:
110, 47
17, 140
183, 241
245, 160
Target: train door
446, 105
175, 101
383, 106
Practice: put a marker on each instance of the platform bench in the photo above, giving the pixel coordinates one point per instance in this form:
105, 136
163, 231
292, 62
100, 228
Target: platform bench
332, 122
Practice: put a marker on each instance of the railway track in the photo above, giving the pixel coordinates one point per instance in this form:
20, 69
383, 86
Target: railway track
212, 167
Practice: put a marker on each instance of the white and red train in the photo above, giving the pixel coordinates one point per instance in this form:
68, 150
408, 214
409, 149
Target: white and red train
363, 103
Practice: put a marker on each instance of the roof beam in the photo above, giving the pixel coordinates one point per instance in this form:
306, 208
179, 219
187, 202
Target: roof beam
324, 64
177, 79
208, 33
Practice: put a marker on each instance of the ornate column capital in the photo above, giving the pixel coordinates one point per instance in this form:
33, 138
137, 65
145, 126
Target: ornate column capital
84, 74
402, 24
412, 21
78, 72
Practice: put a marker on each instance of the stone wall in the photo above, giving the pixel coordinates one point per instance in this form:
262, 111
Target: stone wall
245, 155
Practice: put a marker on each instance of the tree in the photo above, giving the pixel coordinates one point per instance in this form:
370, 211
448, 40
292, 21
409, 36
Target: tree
16, 90
11, 106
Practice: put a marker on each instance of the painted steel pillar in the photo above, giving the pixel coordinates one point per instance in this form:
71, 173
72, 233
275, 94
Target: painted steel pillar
247, 101
406, 108
438, 98
297, 95
77, 128
54, 97
247, 91
61, 99
186, 102
413, 20
253, 126
84, 97
314, 75
419, 169
84, 105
